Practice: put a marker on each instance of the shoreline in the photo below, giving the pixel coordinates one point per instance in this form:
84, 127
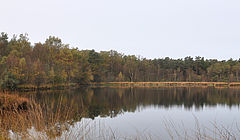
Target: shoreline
131, 84
170, 84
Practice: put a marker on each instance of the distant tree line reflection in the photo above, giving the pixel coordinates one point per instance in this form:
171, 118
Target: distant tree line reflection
92, 102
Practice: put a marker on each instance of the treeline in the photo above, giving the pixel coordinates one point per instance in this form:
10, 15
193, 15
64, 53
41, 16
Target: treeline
53, 62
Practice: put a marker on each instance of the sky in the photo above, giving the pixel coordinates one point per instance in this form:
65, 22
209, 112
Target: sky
147, 28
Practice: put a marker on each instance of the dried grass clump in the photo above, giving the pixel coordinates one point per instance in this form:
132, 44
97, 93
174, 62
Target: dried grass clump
18, 115
12, 102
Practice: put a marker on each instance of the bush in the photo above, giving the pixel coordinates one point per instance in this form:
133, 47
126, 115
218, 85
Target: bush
8, 81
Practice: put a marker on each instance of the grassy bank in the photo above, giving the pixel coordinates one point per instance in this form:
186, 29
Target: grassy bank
30, 87
163, 84
12, 102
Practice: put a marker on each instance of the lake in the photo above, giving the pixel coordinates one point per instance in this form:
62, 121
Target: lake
144, 112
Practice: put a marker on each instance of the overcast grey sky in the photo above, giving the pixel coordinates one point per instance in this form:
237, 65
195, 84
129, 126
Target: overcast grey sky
150, 28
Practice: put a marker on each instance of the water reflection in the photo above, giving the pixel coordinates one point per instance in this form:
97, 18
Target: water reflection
93, 102
63, 109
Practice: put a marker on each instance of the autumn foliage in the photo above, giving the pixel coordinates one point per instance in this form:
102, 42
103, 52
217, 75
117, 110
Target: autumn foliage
54, 63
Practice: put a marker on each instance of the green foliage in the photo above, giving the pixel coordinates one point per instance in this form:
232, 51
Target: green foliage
8, 81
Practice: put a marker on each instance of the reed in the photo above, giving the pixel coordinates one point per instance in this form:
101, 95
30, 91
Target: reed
19, 119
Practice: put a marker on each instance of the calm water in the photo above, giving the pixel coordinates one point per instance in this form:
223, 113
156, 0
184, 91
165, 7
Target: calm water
142, 112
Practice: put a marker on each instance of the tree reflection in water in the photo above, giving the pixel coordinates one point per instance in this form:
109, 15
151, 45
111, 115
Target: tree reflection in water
92, 102
109, 102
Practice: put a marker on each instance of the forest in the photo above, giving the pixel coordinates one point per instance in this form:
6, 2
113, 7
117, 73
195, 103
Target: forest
53, 62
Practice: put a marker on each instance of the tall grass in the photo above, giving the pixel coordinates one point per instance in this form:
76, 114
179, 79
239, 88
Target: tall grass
214, 131
19, 120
